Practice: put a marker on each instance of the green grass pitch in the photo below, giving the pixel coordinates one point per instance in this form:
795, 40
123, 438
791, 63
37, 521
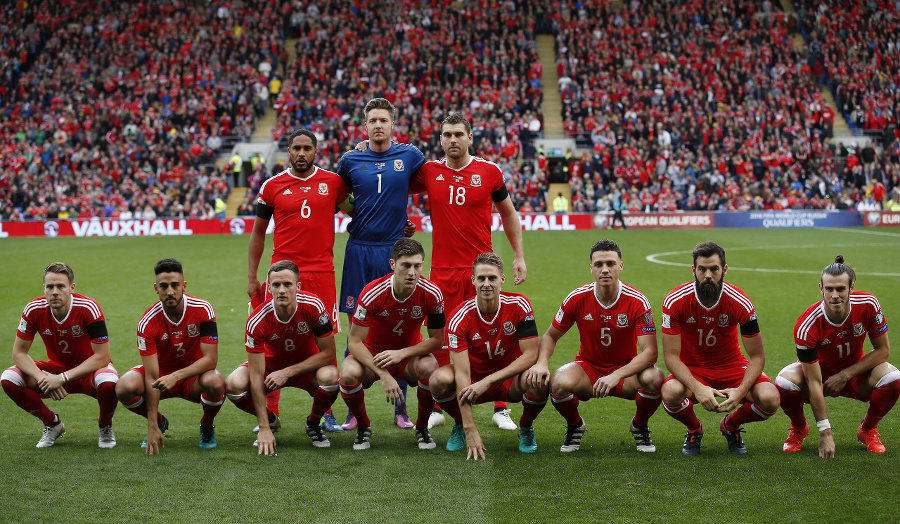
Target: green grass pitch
394, 481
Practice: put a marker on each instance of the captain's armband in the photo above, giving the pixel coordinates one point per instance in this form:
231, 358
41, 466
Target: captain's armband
807, 355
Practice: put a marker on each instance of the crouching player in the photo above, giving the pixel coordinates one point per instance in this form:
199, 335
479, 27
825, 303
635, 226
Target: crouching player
493, 340
830, 337
385, 340
613, 319
73, 330
178, 341
290, 343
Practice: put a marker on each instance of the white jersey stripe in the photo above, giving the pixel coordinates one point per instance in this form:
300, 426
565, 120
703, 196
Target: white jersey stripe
469, 305
149, 315
375, 291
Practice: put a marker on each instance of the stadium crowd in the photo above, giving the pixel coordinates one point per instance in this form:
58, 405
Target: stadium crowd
115, 110
852, 50
118, 109
427, 60
708, 108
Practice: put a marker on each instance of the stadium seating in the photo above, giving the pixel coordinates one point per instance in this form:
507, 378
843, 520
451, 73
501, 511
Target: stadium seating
109, 108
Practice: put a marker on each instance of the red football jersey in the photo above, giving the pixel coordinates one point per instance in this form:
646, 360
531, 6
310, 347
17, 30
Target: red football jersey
839, 346
492, 343
608, 334
395, 324
68, 341
177, 344
304, 216
460, 203
287, 342
709, 337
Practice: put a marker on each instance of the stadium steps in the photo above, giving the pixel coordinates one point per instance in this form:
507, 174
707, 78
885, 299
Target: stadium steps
555, 189
841, 130
234, 201
552, 104
263, 132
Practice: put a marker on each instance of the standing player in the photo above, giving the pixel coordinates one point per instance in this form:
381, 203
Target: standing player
830, 337
612, 318
177, 339
386, 343
290, 343
461, 191
494, 340
378, 178
302, 199
701, 347
74, 332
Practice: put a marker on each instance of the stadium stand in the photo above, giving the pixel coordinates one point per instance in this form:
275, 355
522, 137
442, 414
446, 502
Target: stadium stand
121, 108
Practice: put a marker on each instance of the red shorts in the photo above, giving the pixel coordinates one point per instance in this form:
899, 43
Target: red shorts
721, 378
395, 370
851, 388
84, 385
182, 388
319, 283
456, 287
304, 381
498, 392
594, 373
455, 284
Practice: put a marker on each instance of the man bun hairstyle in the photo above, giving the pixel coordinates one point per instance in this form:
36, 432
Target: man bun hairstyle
837, 268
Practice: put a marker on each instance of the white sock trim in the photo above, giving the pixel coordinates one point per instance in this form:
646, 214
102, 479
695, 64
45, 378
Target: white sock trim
566, 398
106, 376
351, 391
888, 378
212, 402
13, 375
681, 407
786, 384
136, 404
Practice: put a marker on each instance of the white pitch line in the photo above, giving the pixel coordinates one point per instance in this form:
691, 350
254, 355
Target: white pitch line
864, 232
655, 258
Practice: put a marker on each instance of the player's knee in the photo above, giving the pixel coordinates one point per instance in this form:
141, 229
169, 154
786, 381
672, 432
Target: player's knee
441, 380
652, 378
213, 382
327, 376
12, 378
350, 372
129, 386
672, 392
561, 383
426, 366
792, 372
767, 396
